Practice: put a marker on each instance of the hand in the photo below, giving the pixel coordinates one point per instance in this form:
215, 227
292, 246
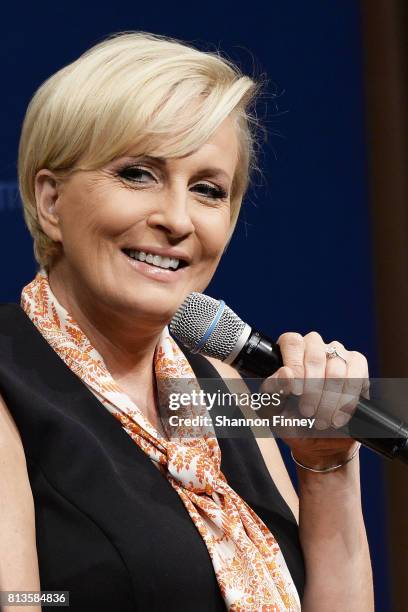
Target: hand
328, 388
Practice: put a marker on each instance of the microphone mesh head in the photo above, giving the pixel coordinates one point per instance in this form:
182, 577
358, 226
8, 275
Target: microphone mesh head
193, 318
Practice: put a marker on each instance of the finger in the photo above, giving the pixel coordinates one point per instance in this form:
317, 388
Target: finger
292, 348
335, 375
314, 367
355, 385
365, 391
280, 382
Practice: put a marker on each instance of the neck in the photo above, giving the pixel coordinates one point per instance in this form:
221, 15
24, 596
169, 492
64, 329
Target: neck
126, 346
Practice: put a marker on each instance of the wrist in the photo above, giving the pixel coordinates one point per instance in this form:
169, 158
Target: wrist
328, 462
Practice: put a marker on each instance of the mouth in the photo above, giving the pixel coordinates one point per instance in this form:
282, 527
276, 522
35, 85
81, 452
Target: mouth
165, 262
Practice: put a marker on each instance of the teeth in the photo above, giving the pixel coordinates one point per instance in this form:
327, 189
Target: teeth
155, 260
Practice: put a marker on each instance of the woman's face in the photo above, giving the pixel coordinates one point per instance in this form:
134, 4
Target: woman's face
141, 233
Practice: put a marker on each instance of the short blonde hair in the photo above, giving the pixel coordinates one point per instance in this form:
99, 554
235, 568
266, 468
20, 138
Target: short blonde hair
134, 90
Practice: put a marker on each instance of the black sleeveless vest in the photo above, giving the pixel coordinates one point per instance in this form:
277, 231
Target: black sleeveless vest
110, 528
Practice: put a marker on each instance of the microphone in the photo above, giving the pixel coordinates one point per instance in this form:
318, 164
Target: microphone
208, 326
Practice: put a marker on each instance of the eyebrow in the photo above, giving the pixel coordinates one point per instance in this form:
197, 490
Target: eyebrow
210, 171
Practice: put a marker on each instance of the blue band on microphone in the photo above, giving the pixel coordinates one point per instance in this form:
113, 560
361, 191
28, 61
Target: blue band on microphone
210, 329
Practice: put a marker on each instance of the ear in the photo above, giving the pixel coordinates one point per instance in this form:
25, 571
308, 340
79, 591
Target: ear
46, 194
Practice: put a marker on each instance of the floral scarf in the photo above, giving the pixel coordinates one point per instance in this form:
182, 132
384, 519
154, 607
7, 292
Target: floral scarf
248, 563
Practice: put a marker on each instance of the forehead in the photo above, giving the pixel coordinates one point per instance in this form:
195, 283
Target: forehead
225, 136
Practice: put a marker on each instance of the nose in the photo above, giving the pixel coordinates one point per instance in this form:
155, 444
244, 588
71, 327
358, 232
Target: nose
172, 215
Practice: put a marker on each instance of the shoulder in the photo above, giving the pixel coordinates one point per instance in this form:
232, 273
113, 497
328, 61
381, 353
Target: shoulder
267, 446
10, 314
9, 307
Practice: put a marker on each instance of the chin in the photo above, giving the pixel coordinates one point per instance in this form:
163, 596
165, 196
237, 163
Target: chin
155, 305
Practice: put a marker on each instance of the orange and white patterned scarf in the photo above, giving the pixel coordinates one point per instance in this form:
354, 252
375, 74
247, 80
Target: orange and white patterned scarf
248, 563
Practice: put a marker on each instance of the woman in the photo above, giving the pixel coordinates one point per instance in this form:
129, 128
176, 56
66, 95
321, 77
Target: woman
133, 163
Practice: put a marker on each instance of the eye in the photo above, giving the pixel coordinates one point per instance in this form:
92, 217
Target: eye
136, 174
211, 191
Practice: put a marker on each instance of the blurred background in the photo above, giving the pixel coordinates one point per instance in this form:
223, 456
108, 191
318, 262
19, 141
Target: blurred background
322, 242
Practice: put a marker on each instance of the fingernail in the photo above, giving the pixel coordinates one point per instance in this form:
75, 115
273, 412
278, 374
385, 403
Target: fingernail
307, 410
340, 419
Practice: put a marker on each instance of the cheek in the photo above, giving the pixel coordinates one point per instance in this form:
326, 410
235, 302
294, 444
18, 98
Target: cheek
100, 214
213, 232
120, 213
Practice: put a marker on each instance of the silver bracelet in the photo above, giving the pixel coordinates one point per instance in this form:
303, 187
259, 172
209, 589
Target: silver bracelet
332, 468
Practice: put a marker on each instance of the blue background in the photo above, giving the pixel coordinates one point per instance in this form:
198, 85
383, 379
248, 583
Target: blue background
300, 258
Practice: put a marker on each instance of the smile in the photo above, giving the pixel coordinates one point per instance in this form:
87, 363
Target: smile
155, 260
156, 267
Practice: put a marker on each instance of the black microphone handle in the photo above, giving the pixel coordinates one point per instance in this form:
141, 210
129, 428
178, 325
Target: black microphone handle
260, 357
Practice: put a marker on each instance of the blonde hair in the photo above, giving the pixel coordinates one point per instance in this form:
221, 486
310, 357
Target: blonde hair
134, 90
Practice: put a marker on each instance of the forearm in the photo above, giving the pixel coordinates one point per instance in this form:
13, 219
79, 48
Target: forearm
334, 542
